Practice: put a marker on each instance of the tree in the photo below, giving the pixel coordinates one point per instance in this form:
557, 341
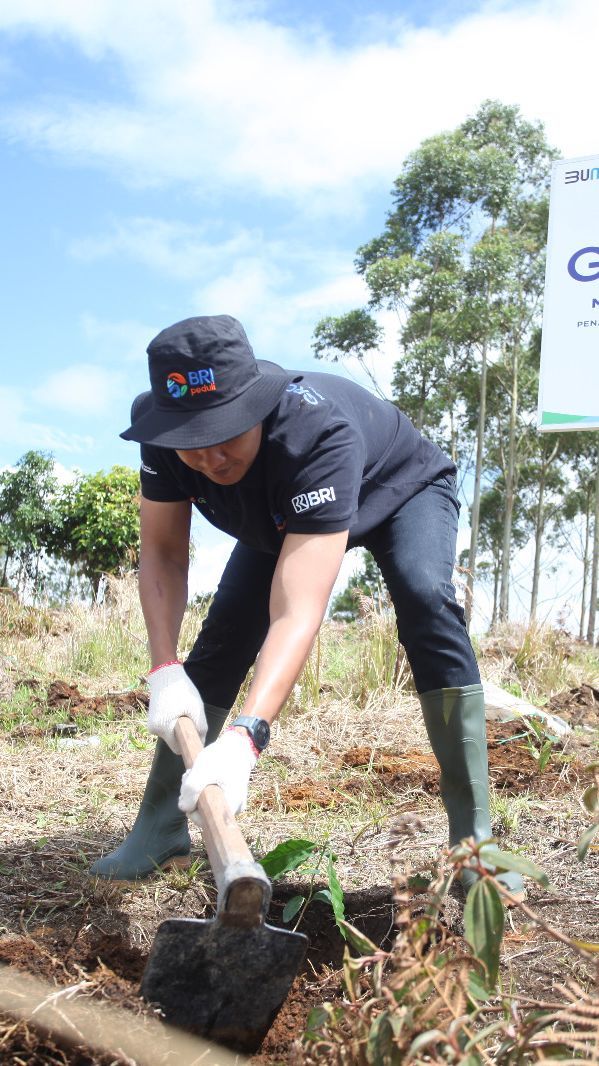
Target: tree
354, 334
365, 582
27, 508
481, 191
97, 524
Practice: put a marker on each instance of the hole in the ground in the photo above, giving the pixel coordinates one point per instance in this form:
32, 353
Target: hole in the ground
115, 967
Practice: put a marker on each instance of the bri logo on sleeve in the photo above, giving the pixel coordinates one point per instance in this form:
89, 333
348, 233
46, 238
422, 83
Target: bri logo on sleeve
306, 500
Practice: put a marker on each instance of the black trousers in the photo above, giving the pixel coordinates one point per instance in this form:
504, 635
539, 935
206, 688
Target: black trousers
415, 550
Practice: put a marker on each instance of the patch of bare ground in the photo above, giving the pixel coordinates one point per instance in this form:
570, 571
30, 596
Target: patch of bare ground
335, 774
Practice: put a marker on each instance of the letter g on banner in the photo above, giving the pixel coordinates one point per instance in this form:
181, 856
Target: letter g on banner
577, 263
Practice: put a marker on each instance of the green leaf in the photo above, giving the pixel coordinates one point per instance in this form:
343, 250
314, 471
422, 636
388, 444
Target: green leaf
359, 941
590, 798
317, 1018
477, 987
292, 906
287, 856
491, 855
545, 755
419, 883
352, 969
380, 1045
323, 895
423, 1040
337, 898
483, 923
585, 840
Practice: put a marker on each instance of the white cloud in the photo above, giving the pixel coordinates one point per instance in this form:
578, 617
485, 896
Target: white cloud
19, 430
245, 274
176, 249
117, 342
80, 389
220, 98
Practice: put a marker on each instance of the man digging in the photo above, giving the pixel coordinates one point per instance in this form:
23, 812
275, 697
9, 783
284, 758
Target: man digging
298, 467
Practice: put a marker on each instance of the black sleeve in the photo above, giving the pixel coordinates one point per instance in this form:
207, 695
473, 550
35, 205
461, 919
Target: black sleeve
156, 476
322, 496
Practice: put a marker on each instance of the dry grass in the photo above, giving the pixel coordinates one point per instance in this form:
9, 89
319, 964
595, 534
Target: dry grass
63, 807
536, 661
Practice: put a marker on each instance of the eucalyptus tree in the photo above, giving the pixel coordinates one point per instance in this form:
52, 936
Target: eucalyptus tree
353, 334
544, 482
469, 196
580, 520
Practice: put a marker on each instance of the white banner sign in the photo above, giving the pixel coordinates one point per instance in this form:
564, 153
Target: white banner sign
569, 378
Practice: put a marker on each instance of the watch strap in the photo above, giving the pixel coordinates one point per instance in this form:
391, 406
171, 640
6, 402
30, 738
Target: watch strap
254, 725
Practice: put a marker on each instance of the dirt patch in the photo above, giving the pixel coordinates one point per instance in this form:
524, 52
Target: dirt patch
512, 768
58, 817
63, 696
52, 954
110, 969
579, 706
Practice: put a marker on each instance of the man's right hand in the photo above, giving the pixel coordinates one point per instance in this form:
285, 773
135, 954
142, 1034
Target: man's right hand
172, 695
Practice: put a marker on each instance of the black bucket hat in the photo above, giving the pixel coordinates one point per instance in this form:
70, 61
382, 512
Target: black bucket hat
207, 385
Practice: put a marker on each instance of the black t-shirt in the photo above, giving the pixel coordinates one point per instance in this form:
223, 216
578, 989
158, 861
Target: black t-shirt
332, 457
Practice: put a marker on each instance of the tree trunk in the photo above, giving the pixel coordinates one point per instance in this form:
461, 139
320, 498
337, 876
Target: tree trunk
539, 523
36, 578
585, 569
593, 589
540, 527
475, 514
510, 477
7, 559
496, 573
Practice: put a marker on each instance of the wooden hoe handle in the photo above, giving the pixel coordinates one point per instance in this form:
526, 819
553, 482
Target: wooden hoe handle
244, 890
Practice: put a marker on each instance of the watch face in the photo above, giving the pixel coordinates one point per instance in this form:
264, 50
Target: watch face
261, 732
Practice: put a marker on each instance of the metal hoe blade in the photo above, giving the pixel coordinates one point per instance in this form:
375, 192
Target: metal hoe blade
220, 981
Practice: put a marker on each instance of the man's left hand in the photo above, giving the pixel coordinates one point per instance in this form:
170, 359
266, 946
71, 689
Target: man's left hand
227, 762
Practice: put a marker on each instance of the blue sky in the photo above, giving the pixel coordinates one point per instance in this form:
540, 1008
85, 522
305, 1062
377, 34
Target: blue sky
162, 158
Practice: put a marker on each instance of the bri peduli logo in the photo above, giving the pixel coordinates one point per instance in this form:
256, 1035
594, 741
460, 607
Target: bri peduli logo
176, 385
195, 380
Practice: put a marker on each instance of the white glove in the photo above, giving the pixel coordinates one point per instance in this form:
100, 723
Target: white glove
172, 695
228, 763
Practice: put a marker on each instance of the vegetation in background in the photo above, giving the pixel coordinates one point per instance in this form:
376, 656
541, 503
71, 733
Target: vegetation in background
460, 261
57, 540
367, 581
28, 509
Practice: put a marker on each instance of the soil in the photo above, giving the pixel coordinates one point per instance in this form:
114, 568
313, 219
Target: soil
63, 696
579, 706
58, 924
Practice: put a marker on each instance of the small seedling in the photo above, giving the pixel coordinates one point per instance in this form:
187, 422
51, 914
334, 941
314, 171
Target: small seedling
540, 743
311, 860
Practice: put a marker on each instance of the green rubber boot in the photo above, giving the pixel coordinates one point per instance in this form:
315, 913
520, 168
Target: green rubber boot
160, 836
455, 723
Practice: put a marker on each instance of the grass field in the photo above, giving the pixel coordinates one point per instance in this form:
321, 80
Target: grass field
350, 770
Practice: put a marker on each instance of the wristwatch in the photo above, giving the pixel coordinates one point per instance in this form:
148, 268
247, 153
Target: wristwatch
258, 728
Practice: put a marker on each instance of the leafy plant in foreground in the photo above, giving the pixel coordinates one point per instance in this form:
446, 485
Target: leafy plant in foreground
590, 799
433, 999
311, 860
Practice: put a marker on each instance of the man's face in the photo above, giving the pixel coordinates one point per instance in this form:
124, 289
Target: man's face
225, 463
